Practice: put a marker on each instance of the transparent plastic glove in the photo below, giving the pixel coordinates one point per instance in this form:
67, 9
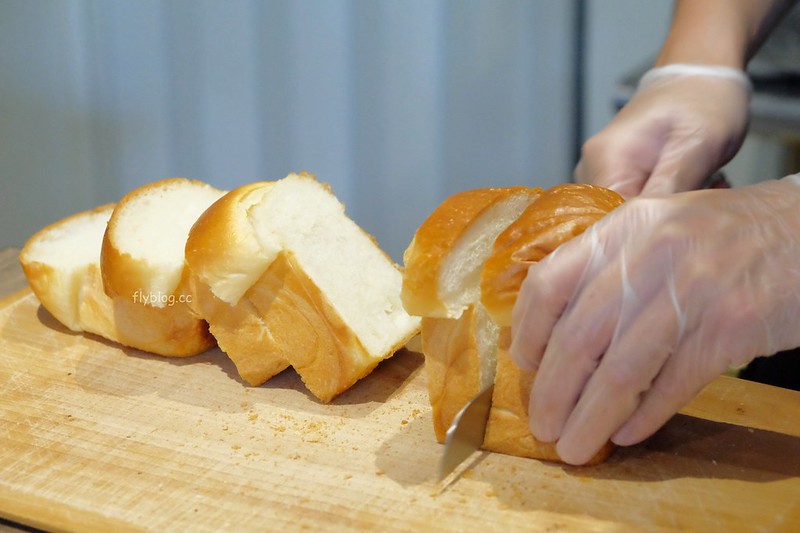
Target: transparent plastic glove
682, 124
630, 320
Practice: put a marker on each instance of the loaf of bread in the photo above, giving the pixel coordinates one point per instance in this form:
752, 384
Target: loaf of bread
314, 290
465, 354
441, 283
62, 265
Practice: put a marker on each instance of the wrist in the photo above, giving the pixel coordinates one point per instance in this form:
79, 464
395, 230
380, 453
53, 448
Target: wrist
677, 70
687, 52
710, 32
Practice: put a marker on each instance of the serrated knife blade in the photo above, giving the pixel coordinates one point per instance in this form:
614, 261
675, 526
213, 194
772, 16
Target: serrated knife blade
465, 434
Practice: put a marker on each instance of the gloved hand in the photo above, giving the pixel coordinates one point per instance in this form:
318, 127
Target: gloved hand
630, 320
682, 124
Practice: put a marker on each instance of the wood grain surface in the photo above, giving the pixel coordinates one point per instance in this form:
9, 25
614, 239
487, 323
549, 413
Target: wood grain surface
94, 436
11, 276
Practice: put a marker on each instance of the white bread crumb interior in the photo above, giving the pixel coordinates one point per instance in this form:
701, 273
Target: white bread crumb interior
232, 282
486, 334
155, 225
68, 248
302, 217
460, 274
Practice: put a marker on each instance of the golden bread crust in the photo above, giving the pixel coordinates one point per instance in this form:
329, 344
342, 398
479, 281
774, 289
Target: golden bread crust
322, 349
558, 215
435, 238
222, 242
452, 366
171, 331
49, 284
508, 429
123, 274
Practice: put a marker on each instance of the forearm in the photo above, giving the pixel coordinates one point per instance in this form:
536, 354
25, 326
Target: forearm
719, 32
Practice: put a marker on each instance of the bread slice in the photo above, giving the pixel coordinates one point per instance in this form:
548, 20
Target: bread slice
441, 283
142, 257
62, 265
327, 297
223, 262
240, 332
558, 215
464, 354
55, 261
459, 362
443, 263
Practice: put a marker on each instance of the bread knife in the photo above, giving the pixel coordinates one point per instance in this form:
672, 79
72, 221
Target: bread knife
465, 434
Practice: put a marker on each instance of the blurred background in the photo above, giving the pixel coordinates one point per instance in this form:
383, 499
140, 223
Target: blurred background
396, 104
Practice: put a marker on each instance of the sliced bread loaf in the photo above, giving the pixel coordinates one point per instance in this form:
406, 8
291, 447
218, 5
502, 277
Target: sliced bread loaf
55, 260
62, 265
558, 215
465, 354
441, 283
327, 297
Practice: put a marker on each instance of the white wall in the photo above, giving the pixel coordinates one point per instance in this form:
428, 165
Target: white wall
621, 37
395, 103
46, 168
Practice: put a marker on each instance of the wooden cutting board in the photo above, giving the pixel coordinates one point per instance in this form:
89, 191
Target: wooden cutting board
97, 437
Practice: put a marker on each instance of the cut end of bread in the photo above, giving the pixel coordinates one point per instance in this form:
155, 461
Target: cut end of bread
62, 264
143, 249
444, 260
222, 250
172, 331
302, 216
56, 259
